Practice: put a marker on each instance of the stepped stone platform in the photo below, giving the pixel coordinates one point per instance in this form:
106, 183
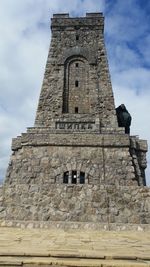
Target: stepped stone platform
58, 247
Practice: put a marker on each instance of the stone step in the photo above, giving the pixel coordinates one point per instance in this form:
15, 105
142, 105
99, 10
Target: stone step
41, 261
49, 247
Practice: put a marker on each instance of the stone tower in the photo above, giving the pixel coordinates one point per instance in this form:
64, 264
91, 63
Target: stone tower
76, 164
77, 84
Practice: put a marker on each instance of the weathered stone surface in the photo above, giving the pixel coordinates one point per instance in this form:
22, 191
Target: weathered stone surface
84, 203
56, 247
76, 164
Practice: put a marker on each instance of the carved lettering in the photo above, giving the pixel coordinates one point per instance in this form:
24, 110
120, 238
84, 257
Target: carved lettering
69, 125
83, 126
61, 125
74, 125
90, 126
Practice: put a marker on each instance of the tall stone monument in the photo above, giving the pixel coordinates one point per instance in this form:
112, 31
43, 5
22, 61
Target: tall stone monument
76, 164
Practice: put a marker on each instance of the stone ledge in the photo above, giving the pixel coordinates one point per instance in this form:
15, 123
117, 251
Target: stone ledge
46, 262
74, 139
73, 255
75, 225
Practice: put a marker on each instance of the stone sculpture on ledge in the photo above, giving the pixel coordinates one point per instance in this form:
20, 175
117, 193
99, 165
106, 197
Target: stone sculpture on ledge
124, 118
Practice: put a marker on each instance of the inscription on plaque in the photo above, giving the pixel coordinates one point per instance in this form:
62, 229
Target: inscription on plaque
75, 125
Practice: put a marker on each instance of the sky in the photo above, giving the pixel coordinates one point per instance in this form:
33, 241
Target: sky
24, 43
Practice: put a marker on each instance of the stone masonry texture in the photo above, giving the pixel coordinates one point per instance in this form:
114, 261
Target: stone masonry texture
76, 164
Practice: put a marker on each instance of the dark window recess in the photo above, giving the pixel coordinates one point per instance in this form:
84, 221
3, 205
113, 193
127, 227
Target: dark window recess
66, 177
76, 109
76, 83
77, 65
77, 37
82, 177
74, 177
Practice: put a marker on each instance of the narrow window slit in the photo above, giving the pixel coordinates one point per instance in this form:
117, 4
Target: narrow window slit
74, 177
76, 83
77, 37
76, 109
82, 177
66, 177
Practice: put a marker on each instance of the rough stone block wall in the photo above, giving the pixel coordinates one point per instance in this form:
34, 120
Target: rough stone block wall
105, 161
78, 203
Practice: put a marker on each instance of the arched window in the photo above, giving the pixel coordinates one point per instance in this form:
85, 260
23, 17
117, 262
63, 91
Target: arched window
74, 177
